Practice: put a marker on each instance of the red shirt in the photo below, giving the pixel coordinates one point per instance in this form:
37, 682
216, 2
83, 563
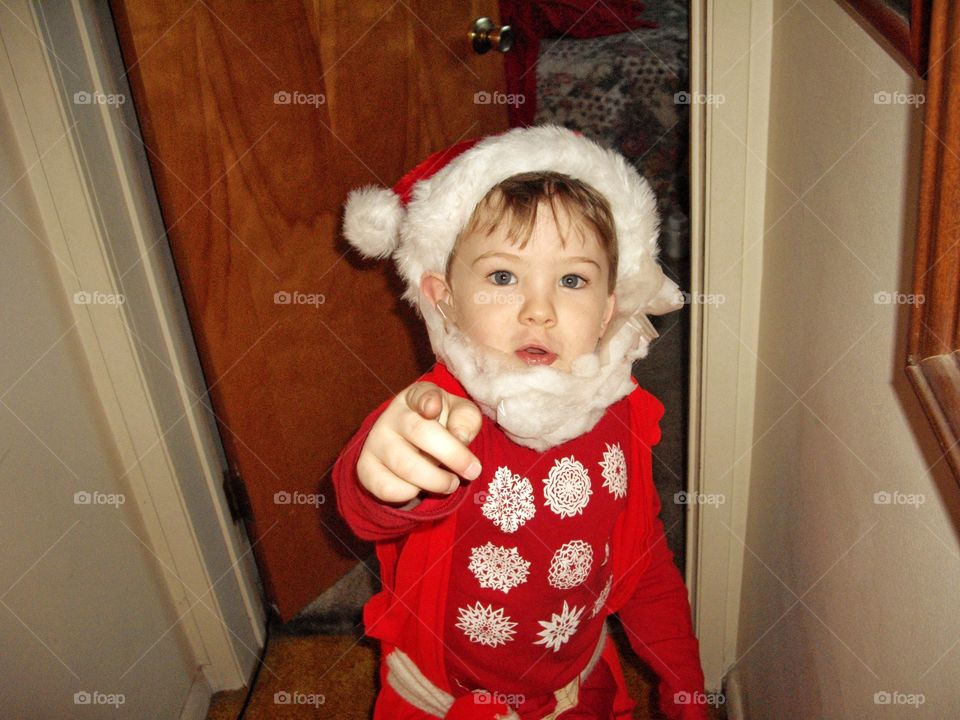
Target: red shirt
530, 567
459, 596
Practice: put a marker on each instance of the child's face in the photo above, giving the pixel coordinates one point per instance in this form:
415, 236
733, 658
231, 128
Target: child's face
545, 295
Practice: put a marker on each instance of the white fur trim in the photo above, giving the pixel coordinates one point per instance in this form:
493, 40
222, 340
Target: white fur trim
371, 221
539, 406
442, 204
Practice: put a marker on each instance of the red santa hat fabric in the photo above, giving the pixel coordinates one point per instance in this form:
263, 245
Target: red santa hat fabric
417, 221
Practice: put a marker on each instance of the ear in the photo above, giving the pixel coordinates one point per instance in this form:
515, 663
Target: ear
434, 286
608, 312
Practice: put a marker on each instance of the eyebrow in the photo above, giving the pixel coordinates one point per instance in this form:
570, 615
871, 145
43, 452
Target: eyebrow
510, 256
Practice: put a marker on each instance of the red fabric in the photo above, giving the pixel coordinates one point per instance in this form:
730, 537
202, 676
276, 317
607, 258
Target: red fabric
602, 695
415, 549
426, 168
532, 21
573, 544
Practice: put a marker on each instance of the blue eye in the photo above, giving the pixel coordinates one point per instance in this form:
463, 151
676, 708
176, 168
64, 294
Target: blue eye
574, 282
501, 277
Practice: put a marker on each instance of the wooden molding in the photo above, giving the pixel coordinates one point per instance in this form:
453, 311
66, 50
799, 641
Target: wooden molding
933, 358
908, 37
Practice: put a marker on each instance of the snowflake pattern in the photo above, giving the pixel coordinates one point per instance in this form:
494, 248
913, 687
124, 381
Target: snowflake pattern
509, 502
606, 554
560, 627
567, 489
614, 472
602, 597
485, 625
571, 564
498, 567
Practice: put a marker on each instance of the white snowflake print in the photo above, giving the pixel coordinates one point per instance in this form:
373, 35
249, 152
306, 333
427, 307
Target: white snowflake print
614, 470
497, 567
571, 564
567, 487
560, 627
606, 554
485, 625
509, 502
602, 597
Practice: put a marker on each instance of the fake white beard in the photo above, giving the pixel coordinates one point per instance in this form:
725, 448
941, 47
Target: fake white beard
539, 406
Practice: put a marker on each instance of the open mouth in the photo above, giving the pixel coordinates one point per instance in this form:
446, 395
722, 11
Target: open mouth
536, 355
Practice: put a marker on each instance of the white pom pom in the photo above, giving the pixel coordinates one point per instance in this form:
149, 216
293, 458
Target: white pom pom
371, 221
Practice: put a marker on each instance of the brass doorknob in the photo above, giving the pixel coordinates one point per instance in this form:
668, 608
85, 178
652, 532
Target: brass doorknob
486, 36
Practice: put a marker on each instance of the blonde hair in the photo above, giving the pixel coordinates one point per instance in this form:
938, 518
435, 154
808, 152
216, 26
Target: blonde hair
517, 199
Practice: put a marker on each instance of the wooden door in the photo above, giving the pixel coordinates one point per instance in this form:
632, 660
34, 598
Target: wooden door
258, 118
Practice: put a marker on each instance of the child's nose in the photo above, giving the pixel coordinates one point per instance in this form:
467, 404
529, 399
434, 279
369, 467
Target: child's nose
537, 309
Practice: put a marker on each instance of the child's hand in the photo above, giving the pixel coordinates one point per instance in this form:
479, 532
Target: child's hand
423, 427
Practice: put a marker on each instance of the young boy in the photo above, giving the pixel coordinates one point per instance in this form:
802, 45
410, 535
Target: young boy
509, 490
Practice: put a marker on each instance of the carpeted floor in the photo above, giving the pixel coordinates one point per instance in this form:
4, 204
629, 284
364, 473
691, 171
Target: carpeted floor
333, 676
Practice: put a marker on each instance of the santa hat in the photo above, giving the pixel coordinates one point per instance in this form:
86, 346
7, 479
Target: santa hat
418, 221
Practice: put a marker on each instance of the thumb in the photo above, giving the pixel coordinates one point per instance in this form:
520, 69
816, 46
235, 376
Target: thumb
464, 419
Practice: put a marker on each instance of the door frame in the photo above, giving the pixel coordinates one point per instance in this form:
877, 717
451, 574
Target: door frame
96, 202
730, 55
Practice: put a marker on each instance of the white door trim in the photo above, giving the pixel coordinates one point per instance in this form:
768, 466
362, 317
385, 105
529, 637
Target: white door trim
730, 50
98, 210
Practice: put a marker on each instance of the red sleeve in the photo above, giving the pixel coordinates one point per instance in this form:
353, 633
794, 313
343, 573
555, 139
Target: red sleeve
657, 622
369, 518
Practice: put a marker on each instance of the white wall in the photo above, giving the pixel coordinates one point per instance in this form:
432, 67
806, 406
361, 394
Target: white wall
82, 607
842, 597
